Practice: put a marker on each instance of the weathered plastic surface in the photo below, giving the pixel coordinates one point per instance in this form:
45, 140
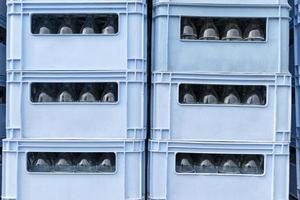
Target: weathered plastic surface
173, 54
166, 184
125, 50
124, 119
126, 183
172, 120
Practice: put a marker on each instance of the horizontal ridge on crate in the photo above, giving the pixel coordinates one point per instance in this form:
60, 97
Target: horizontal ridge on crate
125, 118
174, 120
124, 49
168, 183
125, 181
173, 53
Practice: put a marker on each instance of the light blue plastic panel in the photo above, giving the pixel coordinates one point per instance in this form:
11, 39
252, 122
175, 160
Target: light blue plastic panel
167, 184
124, 50
173, 54
172, 120
122, 119
127, 182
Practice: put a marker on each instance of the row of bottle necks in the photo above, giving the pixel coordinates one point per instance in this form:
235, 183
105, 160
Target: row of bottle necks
106, 163
108, 92
193, 28
75, 24
74, 92
220, 94
208, 28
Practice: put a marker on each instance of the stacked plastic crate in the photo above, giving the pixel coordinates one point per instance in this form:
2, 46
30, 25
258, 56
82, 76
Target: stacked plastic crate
221, 98
2, 73
76, 81
293, 150
297, 83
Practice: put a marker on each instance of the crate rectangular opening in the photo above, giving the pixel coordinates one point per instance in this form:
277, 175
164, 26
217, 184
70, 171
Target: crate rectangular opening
74, 24
87, 92
222, 94
223, 29
75, 162
238, 164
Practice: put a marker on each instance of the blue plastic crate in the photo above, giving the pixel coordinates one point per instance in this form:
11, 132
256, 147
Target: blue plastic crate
167, 184
173, 120
293, 180
123, 119
2, 108
298, 166
292, 12
2, 59
173, 54
3, 13
126, 182
124, 50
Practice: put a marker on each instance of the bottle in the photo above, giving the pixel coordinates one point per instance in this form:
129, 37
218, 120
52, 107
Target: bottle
109, 27
109, 93
64, 163
189, 31
254, 32
209, 31
205, 164
66, 27
252, 96
66, 93
229, 165
88, 26
85, 163
209, 95
232, 32
230, 95
88, 93
45, 93
251, 165
188, 95
45, 27
41, 163
107, 163
184, 163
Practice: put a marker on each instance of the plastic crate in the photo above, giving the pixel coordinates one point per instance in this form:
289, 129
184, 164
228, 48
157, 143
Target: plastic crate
3, 13
173, 54
167, 184
127, 182
125, 50
2, 59
172, 120
123, 119
2, 109
298, 166
292, 12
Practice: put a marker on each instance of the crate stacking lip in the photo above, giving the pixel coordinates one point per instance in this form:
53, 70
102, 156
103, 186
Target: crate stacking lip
171, 53
126, 183
166, 184
124, 119
172, 120
125, 50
